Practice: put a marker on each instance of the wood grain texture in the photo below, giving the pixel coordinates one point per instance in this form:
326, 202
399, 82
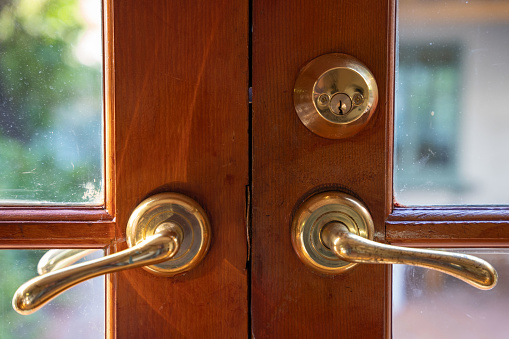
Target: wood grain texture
181, 125
290, 163
109, 106
449, 214
56, 234
35, 214
449, 227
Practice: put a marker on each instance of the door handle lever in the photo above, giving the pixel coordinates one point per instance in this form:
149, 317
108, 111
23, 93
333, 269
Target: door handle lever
57, 259
38, 291
167, 234
355, 249
333, 231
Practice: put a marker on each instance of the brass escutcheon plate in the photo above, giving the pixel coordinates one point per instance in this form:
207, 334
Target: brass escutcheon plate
172, 208
335, 95
313, 215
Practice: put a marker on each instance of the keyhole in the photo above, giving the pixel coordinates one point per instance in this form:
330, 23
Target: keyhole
340, 111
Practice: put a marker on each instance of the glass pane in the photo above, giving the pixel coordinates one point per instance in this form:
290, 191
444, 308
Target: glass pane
429, 304
77, 313
51, 102
451, 124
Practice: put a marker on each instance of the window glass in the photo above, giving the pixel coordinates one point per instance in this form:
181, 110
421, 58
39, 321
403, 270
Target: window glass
78, 313
451, 120
430, 304
51, 133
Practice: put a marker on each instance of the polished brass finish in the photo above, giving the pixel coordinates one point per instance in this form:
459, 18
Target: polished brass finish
333, 231
313, 215
178, 209
57, 259
340, 104
335, 95
356, 249
36, 292
167, 234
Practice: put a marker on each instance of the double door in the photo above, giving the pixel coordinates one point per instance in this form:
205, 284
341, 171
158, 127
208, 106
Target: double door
199, 101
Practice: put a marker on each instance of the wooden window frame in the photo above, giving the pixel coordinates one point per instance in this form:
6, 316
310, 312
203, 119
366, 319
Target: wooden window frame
30, 227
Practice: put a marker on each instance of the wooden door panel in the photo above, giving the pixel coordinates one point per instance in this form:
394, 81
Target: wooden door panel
181, 124
290, 163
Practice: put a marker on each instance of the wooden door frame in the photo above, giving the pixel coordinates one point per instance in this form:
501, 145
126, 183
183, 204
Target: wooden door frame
181, 78
217, 175
288, 300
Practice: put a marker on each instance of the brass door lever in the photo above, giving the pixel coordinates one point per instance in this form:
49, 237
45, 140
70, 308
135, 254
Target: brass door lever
167, 234
333, 231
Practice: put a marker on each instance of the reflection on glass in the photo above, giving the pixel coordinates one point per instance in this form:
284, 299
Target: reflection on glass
430, 304
452, 122
78, 313
50, 102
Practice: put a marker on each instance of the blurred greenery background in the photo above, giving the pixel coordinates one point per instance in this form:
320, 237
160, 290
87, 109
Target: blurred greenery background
79, 313
50, 102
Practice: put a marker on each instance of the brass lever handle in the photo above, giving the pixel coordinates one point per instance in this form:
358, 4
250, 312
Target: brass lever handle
36, 292
167, 234
333, 231
356, 249
56, 259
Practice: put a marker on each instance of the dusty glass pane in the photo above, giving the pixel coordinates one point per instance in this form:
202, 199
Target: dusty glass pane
77, 313
451, 124
429, 304
51, 102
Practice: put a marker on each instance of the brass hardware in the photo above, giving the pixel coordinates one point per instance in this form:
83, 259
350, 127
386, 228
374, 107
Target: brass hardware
335, 95
57, 259
353, 248
169, 232
332, 232
313, 215
38, 291
181, 210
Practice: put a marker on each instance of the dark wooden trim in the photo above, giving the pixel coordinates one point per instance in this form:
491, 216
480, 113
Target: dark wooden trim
388, 301
34, 214
448, 234
449, 214
389, 157
389, 104
54, 234
449, 227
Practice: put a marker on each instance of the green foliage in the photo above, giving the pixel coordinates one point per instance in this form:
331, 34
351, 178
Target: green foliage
23, 263
77, 313
49, 102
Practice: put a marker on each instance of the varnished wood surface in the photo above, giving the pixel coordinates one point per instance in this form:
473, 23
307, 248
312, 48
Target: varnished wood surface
56, 234
176, 78
449, 227
109, 106
31, 213
449, 214
449, 234
181, 125
290, 163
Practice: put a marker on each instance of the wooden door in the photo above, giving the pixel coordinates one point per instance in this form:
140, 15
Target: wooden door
176, 116
181, 125
177, 75
290, 163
